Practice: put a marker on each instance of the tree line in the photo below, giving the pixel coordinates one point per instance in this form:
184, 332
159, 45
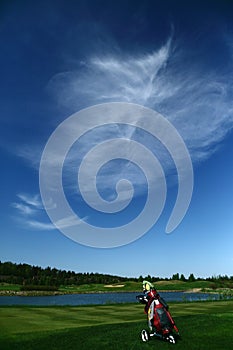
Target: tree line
25, 274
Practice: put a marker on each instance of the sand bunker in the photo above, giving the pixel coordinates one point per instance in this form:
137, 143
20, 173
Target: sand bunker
114, 285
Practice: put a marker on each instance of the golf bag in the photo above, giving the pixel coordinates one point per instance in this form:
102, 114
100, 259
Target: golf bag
160, 321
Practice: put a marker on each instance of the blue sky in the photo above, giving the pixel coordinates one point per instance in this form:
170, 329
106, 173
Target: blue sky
59, 57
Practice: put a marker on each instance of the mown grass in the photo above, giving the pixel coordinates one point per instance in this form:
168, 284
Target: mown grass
7, 286
199, 333
136, 286
128, 286
203, 325
182, 286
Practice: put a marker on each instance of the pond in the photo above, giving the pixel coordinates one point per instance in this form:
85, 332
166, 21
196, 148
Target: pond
98, 298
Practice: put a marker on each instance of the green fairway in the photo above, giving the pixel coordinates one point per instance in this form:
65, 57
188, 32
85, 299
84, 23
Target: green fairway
203, 325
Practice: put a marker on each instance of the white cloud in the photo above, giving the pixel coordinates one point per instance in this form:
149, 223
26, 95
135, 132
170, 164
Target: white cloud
196, 100
29, 213
40, 225
31, 154
63, 223
33, 201
29, 206
23, 209
113, 78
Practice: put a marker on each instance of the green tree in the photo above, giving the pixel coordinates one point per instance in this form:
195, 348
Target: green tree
140, 279
148, 278
176, 276
191, 278
182, 278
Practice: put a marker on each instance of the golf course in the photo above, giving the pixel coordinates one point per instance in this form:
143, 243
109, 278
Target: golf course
202, 325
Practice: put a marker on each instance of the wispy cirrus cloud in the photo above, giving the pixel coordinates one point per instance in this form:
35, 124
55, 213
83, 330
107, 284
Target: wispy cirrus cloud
33, 201
31, 154
63, 223
30, 208
197, 100
113, 78
24, 209
41, 226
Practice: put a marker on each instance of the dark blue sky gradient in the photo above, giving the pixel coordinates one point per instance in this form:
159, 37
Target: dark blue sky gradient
46, 47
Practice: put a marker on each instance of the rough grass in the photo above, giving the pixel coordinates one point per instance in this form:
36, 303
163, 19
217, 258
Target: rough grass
203, 325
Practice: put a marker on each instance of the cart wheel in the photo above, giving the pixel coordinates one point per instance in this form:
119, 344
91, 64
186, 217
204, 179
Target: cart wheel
170, 338
145, 335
